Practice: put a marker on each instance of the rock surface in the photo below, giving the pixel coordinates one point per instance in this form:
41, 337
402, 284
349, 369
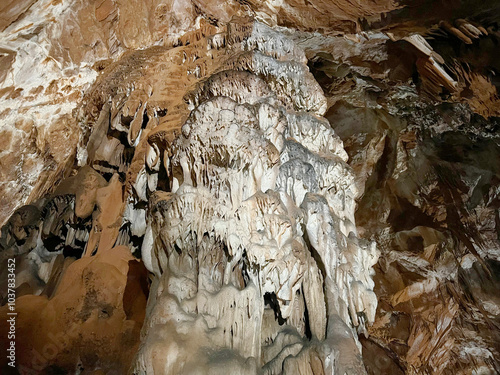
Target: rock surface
251, 187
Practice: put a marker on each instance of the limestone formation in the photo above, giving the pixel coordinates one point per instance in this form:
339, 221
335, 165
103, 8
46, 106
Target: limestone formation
191, 187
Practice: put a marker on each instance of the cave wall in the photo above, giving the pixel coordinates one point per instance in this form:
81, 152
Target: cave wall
254, 187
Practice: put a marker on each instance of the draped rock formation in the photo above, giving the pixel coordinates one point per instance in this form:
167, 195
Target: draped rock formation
250, 187
258, 189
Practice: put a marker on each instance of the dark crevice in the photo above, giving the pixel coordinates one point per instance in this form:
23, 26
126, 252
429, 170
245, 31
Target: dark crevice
271, 300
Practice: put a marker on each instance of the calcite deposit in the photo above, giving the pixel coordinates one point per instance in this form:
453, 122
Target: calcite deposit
250, 187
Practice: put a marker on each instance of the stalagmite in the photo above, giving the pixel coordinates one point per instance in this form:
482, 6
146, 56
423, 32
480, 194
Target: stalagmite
250, 187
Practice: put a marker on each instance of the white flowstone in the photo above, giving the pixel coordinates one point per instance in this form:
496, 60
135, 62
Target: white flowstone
258, 230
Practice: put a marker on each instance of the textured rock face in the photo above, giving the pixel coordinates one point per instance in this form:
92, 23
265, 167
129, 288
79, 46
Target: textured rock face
251, 187
258, 186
